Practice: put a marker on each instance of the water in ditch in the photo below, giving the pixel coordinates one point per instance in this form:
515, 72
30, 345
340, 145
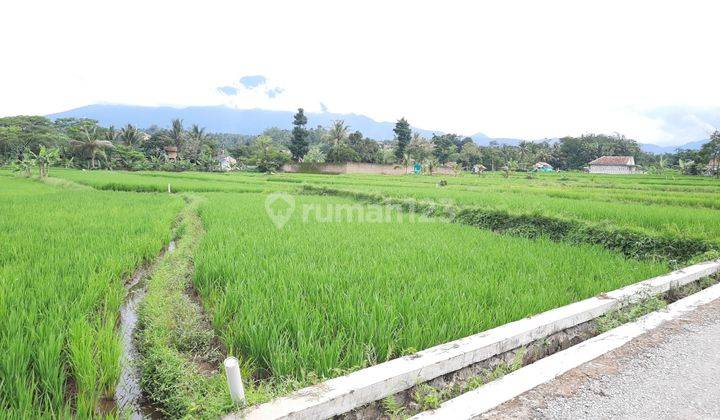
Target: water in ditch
128, 393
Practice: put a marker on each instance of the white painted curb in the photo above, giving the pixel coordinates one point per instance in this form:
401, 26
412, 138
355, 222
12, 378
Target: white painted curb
345, 393
475, 403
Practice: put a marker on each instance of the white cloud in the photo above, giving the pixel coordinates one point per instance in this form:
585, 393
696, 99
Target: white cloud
506, 68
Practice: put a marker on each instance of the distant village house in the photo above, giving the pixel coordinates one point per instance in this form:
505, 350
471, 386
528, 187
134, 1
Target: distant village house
228, 163
613, 165
171, 153
543, 167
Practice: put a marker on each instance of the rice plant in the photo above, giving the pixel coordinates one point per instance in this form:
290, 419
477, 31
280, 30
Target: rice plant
63, 260
320, 298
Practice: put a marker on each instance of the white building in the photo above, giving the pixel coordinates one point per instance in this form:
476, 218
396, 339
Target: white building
228, 163
613, 165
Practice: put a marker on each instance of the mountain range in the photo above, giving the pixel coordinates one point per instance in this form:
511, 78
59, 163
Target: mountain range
222, 119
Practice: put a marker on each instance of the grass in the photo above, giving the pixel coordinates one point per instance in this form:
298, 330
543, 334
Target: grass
322, 298
63, 259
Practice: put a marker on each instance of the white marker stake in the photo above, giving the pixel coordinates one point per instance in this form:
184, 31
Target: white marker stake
232, 371
169, 191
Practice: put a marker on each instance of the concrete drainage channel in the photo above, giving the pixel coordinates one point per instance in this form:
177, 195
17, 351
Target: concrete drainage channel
475, 403
564, 334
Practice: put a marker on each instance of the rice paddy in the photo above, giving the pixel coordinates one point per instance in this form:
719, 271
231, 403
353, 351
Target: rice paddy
318, 297
63, 259
319, 287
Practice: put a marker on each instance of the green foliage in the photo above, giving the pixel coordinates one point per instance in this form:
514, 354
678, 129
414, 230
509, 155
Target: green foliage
628, 314
711, 152
299, 145
18, 134
403, 135
444, 147
427, 397
315, 155
366, 150
576, 152
469, 155
266, 156
393, 409
89, 144
340, 153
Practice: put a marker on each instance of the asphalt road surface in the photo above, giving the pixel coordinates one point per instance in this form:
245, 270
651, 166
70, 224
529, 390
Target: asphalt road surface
672, 372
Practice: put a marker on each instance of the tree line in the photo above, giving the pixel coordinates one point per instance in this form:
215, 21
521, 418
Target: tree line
83, 143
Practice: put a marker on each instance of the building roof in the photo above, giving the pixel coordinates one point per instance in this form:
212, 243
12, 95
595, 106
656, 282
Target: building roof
542, 165
614, 161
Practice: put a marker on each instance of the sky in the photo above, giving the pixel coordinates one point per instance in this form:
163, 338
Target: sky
517, 69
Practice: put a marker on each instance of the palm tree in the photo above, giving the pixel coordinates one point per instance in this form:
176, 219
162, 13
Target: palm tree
337, 133
525, 149
177, 133
111, 134
197, 134
91, 145
129, 135
197, 137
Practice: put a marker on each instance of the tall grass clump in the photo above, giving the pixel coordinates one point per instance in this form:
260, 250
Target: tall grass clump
315, 299
63, 259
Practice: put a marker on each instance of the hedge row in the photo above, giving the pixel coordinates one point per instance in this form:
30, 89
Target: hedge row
631, 243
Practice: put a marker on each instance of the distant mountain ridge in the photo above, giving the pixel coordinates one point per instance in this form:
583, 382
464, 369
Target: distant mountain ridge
222, 119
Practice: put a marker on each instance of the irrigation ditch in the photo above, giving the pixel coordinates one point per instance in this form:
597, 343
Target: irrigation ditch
128, 397
170, 353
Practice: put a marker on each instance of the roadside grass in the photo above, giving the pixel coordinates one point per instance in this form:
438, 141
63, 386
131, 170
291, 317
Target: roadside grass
63, 259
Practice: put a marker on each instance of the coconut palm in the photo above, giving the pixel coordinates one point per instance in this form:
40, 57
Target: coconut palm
337, 133
129, 135
177, 133
197, 134
196, 137
90, 144
111, 134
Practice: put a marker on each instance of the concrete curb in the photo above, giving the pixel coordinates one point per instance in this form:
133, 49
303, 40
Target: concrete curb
345, 393
474, 403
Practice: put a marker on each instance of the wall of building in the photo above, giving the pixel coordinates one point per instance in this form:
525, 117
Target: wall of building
358, 168
612, 169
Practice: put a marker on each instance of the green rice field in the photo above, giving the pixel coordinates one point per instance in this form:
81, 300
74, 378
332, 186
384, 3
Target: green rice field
64, 257
305, 287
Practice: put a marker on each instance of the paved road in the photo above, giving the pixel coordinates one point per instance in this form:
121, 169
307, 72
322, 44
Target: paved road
670, 373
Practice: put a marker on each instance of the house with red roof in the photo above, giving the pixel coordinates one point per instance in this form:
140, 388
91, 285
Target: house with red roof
613, 165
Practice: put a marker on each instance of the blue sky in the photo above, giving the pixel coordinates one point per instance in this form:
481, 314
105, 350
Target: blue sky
522, 69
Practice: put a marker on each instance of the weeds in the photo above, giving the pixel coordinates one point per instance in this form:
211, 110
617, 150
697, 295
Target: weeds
630, 313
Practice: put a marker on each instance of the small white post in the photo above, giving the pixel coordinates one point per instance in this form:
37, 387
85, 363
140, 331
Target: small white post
169, 191
232, 371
